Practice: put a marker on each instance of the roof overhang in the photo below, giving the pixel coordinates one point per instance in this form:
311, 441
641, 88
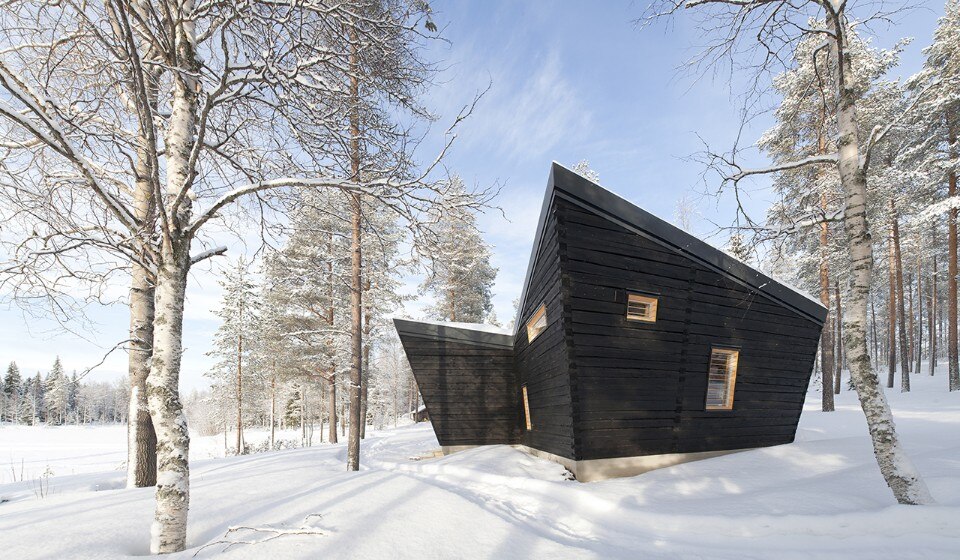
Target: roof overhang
450, 333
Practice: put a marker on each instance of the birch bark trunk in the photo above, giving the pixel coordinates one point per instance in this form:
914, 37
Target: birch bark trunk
169, 530
140, 97
141, 437
897, 469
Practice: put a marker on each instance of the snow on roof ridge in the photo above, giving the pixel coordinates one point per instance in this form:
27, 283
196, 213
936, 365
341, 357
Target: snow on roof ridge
481, 327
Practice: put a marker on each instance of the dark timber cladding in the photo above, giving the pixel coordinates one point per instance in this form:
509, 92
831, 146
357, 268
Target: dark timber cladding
600, 385
543, 366
467, 381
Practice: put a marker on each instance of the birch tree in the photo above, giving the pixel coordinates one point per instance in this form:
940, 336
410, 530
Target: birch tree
12, 394
762, 37
215, 137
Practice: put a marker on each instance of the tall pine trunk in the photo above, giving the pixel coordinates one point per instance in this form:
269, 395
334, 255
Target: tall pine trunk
273, 408
897, 469
367, 326
952, 356
932, 311
826, 338
918, 341
891, 312
912, 326
839, 354
240, 392
303, 414
901, 312
356, 264
356, 339
332, 434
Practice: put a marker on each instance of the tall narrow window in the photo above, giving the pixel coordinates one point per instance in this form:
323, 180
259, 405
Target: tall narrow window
722, 378
526, 408
641, 308
537, 324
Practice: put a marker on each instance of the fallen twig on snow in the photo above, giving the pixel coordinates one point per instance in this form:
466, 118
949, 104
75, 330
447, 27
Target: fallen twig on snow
271, 533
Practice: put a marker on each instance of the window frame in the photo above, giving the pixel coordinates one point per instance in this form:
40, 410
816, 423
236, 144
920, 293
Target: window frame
526, 407
540, 313
651, 300
731, 378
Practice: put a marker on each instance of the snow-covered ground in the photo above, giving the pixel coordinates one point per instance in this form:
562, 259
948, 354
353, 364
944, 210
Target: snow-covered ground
28, 452
821, 497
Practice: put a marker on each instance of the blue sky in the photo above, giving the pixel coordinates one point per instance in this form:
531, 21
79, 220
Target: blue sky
570, 81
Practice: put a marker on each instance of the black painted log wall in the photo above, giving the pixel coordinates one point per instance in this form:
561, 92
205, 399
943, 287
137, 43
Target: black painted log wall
543, 366
641, 387
469, 390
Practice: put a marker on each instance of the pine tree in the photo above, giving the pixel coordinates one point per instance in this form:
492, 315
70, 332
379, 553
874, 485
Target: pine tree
56, 394
308, 283
583, 168
235, 340
12, 394
35, 401
461, 278
737, 247
937, 149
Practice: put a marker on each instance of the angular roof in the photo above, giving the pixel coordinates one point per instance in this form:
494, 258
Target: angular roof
479, 335
573, 187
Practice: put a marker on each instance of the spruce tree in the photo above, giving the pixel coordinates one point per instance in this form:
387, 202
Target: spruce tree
12, 393
235, 340
461, 279
57, 392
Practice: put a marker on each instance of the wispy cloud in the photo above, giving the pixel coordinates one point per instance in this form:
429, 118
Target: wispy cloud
532, 105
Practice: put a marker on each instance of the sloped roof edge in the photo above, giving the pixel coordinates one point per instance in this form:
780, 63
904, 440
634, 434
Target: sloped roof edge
466, 335
580, 190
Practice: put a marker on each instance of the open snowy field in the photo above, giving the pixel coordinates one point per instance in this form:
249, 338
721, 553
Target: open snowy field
821, 497
28, 452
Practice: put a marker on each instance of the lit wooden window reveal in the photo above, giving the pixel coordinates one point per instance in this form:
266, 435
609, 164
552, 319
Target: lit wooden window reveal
641, 308
722, 378
537, 324
526, 408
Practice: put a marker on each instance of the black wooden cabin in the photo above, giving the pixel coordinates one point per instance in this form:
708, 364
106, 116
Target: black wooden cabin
637, 346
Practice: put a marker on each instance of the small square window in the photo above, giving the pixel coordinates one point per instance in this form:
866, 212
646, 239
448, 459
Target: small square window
526, 408
641, 308
537, 324
722, 378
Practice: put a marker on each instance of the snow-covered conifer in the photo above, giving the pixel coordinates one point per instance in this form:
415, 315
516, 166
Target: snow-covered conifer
461, 276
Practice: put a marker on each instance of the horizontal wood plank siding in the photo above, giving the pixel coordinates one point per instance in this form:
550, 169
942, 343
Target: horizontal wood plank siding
469, 390
641, 387
543, 365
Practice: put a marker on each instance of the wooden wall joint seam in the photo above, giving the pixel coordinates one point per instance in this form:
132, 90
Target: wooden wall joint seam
684, 358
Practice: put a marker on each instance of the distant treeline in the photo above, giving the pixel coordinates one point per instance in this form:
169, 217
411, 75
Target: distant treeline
57, 398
